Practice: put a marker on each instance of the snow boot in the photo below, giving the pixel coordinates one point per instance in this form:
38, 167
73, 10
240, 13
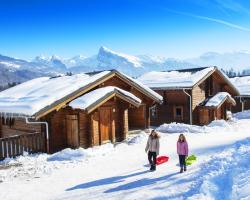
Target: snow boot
181, 171
152, 168
185, 168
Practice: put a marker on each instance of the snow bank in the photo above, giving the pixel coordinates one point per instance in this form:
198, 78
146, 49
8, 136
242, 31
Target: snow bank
27, 166
242, 115
137, 139
219, 125
36, 165
81, 154
181, 128
228, 172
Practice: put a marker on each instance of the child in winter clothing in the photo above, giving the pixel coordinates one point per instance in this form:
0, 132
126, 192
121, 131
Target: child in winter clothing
182, 151
152, 148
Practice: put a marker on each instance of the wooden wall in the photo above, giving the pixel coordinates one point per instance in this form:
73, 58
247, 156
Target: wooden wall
165, 112
94, 129
198, 96
18, 128
238, 107
200, 93
84, 137
58, 129
247, 105
0, 128
207, 115
117, 82
125, 123
137, 117
204, 116
119, 121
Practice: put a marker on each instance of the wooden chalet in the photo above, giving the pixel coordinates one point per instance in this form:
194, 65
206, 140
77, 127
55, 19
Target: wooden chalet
195, 96
81, 110
243, 99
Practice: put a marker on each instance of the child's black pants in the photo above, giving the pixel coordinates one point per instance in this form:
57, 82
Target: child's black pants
152, 158
182, 161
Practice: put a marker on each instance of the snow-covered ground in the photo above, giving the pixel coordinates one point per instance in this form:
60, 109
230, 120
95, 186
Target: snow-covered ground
222, 170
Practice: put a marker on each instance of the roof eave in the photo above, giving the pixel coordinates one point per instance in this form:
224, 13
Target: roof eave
106, 98
139, 87
171, 88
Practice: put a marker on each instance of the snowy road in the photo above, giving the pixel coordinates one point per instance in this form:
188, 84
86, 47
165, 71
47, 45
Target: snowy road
221, 172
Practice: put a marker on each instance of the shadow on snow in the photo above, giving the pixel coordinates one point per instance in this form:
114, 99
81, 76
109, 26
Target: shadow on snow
140, 183
106, 181
119, 179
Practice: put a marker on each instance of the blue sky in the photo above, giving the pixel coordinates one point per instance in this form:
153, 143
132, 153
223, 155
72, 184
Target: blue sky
170, 28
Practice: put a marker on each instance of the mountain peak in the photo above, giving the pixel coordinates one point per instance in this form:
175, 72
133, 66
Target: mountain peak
55, 57
105, 53
104, 49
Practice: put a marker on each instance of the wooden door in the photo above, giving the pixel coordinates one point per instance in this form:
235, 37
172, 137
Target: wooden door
72, 131
204, 116
105, 124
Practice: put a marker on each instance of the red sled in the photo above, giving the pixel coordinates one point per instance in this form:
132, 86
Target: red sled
161, 159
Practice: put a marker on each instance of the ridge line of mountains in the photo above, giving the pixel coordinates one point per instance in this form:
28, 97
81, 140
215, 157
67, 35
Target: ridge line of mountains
13, 71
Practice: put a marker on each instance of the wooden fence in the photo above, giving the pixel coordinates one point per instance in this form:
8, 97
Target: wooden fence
16, 145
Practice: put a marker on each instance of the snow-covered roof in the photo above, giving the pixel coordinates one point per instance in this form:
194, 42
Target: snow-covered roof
40, 94
242, 84
144, 86
89, 99
30, 97
174, 79
219, 99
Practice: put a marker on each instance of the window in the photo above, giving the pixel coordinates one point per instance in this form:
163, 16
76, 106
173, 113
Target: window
178, 112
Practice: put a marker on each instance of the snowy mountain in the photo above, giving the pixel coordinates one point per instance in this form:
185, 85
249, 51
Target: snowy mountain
131, 65
75, 61
54, 62
17, 70
239, 60
106, 59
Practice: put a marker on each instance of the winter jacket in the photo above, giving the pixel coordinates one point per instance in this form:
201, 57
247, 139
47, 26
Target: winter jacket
153, 145
182, 148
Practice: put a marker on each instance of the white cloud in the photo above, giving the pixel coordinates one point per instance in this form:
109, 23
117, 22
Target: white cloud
219, 21
232, 5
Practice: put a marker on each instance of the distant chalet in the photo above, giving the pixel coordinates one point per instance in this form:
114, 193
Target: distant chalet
195, 96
